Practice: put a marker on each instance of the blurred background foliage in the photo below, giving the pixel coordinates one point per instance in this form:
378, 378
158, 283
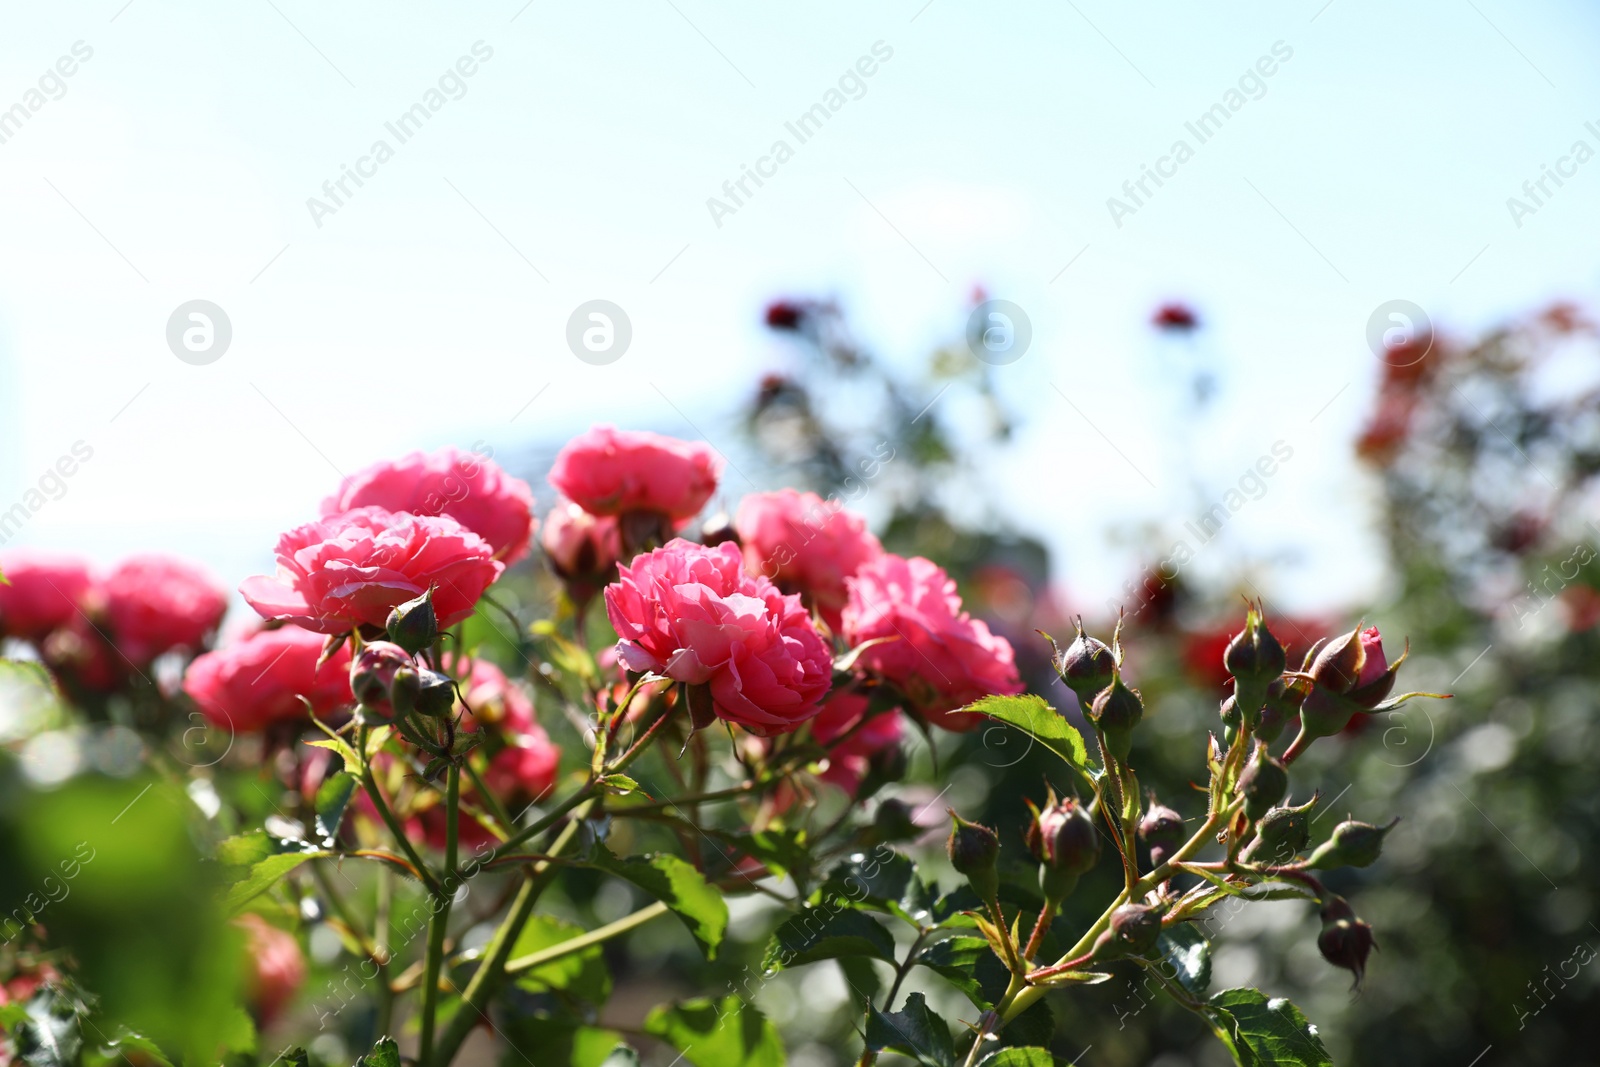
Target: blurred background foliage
1485, 453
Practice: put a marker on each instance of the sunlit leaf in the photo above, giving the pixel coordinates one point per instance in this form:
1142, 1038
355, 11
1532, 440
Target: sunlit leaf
731, 1033
1267, 1032
677, 884
583, 974
1034, 717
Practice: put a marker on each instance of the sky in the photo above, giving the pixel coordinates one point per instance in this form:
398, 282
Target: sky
572, 153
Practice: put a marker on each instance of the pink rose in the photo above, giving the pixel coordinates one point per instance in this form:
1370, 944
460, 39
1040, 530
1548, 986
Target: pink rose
348, 570
275, 966
46, 591
467, 487
258, 682
691, 613
806, 545
943, 659
155, 604
607, 471
580, 544
850, 759
1375, 663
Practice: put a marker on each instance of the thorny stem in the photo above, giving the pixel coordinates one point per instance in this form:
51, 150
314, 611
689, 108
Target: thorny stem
1046, 916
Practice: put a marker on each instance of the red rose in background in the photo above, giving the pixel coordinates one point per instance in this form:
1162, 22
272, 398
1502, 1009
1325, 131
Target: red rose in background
467, 487
805, 545
275, 967
45, 592
939, 656
251, 685
691, 613
155, 604
607, 471
348, 570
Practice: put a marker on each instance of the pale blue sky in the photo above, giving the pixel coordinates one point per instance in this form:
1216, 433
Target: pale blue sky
432, 305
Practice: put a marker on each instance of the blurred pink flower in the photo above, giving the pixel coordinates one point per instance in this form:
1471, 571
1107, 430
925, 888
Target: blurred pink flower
155, 604
467, 487
580, 544
348, 570
275, 966
938, 656
849, 760
805, 545
607, 471
251, 685
46, 592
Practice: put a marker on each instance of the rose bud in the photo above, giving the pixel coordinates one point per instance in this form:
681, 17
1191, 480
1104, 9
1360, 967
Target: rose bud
1228, 710
1281, 835
1063, 839
1345, 940
413, 625
1133, 931
1338, 666
974, 851
372, 674
1086, 666
404, 691
436, 693
1262, 783
1353, 844
1161, 830
1255, 659
1115, 713
1281, 704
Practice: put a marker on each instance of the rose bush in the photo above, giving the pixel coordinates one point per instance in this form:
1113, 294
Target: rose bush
435, 791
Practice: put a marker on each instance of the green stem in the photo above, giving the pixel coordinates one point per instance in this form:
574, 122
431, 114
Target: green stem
389, 820
593, 937
380, 944
1019, 1001
486, 979
439, 921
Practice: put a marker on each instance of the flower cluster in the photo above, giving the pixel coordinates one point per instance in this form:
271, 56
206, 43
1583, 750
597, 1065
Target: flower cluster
97, 629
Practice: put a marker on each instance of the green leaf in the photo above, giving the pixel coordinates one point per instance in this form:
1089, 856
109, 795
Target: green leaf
582, 974
877, 880
1266, 1032
677, 884
956, 960
332, 798
1019, 1057
863, 979
385, 1053
1036, 1026
263, 876
117, 1051
551, 1042
710, 1034
1034, 717
621, 1056
827, 933
916, 1032
1185, 957
50, 1036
